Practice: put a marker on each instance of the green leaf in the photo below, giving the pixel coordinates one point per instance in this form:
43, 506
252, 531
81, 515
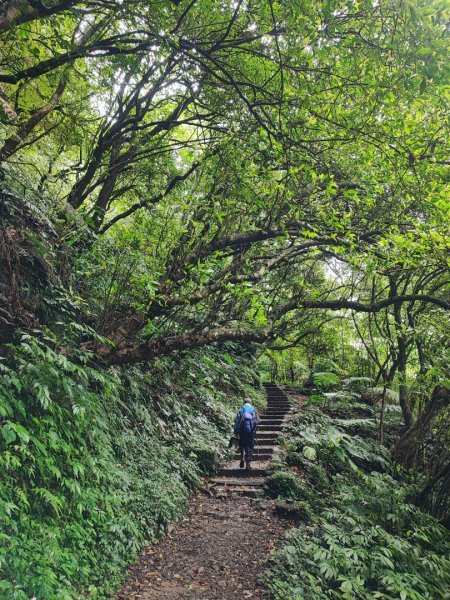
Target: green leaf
8, 434
21, 432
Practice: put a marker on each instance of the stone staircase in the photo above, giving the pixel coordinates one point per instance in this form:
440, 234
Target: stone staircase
231, 478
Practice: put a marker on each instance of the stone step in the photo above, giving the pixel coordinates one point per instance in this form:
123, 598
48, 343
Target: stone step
250, 492
239, 490
271, 422
282, 403
270, 427
272, 418
278, 414
257, 456
271, 401
269, 440
261, 446
232, 472
255, 482
258, 450
263, 436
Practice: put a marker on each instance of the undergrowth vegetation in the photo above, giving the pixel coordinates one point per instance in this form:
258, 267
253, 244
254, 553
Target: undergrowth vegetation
191, 174
359, 535
95, 463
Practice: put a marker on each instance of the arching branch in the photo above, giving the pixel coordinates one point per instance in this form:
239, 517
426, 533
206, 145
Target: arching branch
15, 12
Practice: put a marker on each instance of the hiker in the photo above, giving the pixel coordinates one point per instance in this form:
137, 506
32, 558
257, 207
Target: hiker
245, 427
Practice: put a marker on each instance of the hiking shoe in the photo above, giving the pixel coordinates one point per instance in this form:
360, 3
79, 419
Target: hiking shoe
242, 464
247, 466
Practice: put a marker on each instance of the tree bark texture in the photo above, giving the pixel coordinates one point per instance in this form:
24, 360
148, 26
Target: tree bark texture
408, 448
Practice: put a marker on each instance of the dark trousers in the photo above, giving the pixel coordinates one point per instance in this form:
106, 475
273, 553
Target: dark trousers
246, 444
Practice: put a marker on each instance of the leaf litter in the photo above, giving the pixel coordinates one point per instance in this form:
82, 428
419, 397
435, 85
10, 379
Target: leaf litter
220, 551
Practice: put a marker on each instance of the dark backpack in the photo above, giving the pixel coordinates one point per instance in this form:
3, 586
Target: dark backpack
248, 422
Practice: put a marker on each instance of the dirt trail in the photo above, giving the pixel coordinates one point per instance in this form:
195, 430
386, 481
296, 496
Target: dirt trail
220, 551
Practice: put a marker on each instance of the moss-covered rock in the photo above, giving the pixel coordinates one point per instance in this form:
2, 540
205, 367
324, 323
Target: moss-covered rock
298, 510
285, 484
374, 395
357, 384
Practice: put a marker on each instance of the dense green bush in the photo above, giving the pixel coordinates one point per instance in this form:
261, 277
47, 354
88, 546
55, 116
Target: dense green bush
370, 543
325, 380
336, 448
95, 463
357, 384
364, 539
284, 484
323, 364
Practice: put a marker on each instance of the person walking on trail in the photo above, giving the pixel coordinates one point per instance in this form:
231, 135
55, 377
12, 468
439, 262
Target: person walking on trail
245, 426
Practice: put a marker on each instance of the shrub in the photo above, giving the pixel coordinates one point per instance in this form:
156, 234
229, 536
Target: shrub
325, 380
299, 510
357, 384
94, 464
342, 396
370, 544
284, 484
363, 539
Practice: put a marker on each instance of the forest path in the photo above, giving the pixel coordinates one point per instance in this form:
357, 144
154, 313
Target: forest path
220, 551
222, 548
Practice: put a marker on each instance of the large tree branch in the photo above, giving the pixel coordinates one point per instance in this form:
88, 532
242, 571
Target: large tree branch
15, 12
147, 350
101, 48
12, 143
342, 304
150, 349
145, 202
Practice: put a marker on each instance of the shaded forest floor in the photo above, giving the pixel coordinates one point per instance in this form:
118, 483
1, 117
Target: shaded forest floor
220, 551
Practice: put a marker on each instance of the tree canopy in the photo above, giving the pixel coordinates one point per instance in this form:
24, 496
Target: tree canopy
223, 170
247, 180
